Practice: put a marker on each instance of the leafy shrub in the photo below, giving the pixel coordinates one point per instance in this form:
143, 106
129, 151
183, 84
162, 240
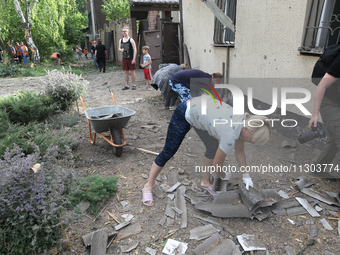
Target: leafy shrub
63, 120
9, 70
26, 72
94, 189
63, 88
39, 133
27, 107
34, 209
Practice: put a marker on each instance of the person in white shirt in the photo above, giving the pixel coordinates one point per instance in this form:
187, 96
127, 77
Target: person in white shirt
220, 131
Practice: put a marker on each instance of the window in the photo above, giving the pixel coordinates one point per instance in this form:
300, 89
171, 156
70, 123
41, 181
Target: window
222, 34
322, 25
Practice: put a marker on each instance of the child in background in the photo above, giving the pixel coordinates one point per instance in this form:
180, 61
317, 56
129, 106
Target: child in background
147, 67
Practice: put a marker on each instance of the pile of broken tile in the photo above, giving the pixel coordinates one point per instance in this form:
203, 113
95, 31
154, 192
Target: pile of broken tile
237, 203
240, 203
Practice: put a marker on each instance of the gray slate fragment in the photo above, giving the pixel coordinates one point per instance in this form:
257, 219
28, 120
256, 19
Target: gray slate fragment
87, 238
169, 221
250, 243
124, 203
186, 182
151, 251
201, 248
171, 196
195, 188
162, 221
224, 210
128, 217
158, 193
281, 212
129, 247
131, 230
159, 178
122, 225
192, 199
164, 186
174, 187
313, 231
309, 222
315, 195
209, 219
168, 210
177, 210
172, 177
331, 194
203, 232
303, 182
236, 250
296, 211
308, 207
250, 197
270, 193
261, 217
339, 228
225, 248
127, 208
181, 206
326, 225
99, 242
227, 197
283, 194
83, 206
290, 250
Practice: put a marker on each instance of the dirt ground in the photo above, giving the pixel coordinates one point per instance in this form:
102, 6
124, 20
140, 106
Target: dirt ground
275, 232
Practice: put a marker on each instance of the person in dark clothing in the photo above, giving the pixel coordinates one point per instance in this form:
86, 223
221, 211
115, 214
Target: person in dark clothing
327, 102
101, 55
180, 81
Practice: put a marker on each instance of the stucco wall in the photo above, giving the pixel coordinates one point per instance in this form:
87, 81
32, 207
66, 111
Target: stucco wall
268, 34
198, 29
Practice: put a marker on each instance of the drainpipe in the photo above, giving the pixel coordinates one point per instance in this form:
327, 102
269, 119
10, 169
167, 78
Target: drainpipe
92, 17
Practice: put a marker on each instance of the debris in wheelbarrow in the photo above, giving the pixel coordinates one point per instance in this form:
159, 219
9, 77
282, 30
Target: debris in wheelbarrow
108, 116
111, 119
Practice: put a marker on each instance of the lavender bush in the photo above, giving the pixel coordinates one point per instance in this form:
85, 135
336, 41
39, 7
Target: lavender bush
34, 210
63, 87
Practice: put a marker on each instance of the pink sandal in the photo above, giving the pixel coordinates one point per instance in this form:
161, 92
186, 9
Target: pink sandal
209, 189
147, 197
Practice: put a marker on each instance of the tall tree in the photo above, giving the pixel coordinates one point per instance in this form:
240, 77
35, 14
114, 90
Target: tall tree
116, 9
26, 22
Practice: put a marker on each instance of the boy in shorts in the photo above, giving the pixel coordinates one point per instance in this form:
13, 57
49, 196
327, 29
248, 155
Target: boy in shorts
147, 67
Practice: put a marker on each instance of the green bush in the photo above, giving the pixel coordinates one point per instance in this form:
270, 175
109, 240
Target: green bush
9, 70
40, 134
27, 107
63, 88
34, 209
94, 189
59, 121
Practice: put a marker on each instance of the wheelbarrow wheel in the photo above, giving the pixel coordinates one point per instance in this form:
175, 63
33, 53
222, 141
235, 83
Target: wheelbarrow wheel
117, 140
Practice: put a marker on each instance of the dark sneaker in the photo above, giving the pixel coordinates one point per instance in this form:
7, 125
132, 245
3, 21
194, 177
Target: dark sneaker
133, 87
125, 88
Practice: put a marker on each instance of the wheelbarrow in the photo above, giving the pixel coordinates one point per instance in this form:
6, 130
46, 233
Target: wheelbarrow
110, 119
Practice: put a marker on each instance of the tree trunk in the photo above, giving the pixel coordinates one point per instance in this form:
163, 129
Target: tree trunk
27, 25
6, 47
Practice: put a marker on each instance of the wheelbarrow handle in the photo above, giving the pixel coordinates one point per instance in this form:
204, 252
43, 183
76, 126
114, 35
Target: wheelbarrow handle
113, 97
82, 101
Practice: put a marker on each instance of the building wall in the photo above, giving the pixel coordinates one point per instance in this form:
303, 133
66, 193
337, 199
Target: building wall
268, 34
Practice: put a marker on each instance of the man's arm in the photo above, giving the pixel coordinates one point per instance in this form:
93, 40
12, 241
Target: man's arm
325, 83
134, 51
120, 46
